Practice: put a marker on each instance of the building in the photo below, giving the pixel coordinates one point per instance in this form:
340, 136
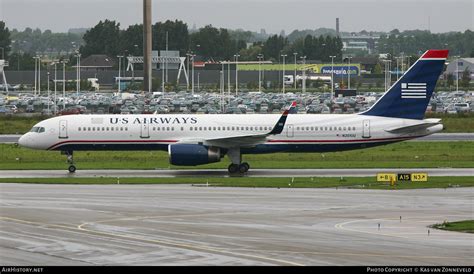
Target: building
462, 65
97, 62
355, 42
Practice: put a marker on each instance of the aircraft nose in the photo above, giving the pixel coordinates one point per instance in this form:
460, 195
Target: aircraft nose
24, 140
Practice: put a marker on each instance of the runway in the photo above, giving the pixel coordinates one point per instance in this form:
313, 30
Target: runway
185, 225
11, 139
367, 172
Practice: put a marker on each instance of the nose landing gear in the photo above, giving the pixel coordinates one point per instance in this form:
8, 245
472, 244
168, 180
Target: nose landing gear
70, 161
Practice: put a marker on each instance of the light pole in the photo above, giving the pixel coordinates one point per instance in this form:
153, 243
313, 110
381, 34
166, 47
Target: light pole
222, 87
457, 73
228, 77
3, 53
188, 58
349, 72
78, 73
283, 79
192, 79
55, 87
120, 68
36, 73
48, 91
259, 72
294, 79
303, 88
236, 73
39, 75
332, 76
64, 83
397, 58
198, 88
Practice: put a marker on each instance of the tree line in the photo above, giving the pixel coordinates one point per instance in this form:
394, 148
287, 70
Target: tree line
211, 43
412, 42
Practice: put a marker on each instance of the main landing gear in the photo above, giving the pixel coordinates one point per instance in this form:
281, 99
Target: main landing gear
70, 161
237, 167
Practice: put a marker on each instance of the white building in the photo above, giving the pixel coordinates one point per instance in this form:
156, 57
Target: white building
462, 64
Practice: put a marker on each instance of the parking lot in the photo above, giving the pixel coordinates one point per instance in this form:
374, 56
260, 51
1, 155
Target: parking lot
211, 103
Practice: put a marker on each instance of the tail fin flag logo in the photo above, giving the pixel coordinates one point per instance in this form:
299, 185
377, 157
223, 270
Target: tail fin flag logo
413, 90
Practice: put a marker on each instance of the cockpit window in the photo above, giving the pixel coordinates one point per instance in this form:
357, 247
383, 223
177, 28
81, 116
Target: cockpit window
38, 129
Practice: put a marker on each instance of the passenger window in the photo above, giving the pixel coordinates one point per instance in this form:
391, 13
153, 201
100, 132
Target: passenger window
154, 129
353, 128
233, 128
112, 129
79, 128
107, 128
121, 128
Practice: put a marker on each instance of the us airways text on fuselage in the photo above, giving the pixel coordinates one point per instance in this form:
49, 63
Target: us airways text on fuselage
154, 120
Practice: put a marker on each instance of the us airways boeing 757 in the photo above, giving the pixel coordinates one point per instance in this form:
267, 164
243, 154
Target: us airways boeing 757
201, 139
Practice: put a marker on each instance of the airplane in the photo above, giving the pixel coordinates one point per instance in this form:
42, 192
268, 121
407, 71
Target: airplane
197, 139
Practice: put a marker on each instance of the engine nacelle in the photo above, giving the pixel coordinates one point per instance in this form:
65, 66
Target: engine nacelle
193, 154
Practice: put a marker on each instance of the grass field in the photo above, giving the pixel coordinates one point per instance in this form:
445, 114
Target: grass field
452, 123
461, 226
305, 182
399, 155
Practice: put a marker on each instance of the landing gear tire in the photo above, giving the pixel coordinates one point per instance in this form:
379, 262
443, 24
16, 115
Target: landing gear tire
233, 168
71, 169
245, 165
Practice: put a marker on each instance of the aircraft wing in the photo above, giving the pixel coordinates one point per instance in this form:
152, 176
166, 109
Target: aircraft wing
411, 128
251, 139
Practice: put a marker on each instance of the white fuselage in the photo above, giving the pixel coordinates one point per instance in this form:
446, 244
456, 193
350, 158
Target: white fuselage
302, 132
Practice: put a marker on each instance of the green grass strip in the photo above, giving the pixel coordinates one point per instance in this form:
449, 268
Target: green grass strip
461, 226
265, 182
398, 155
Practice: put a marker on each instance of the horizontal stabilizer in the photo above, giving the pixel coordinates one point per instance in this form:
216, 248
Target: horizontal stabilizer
412, 128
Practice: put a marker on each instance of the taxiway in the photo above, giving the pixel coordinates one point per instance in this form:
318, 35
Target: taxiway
185, 225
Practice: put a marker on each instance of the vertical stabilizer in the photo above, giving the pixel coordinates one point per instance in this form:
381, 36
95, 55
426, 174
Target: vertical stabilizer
410, 95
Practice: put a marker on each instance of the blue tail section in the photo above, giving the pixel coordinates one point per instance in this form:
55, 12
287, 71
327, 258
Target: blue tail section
410, 95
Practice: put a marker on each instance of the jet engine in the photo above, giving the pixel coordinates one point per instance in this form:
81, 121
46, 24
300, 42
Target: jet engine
193, 154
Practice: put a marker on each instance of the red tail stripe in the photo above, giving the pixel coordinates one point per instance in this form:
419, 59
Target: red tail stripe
436, 53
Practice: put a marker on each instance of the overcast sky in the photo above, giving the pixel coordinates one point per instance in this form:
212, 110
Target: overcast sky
273, 16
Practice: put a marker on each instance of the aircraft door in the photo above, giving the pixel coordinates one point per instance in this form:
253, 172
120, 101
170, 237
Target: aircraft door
63, 129
290, 132
145, 130
366, 129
